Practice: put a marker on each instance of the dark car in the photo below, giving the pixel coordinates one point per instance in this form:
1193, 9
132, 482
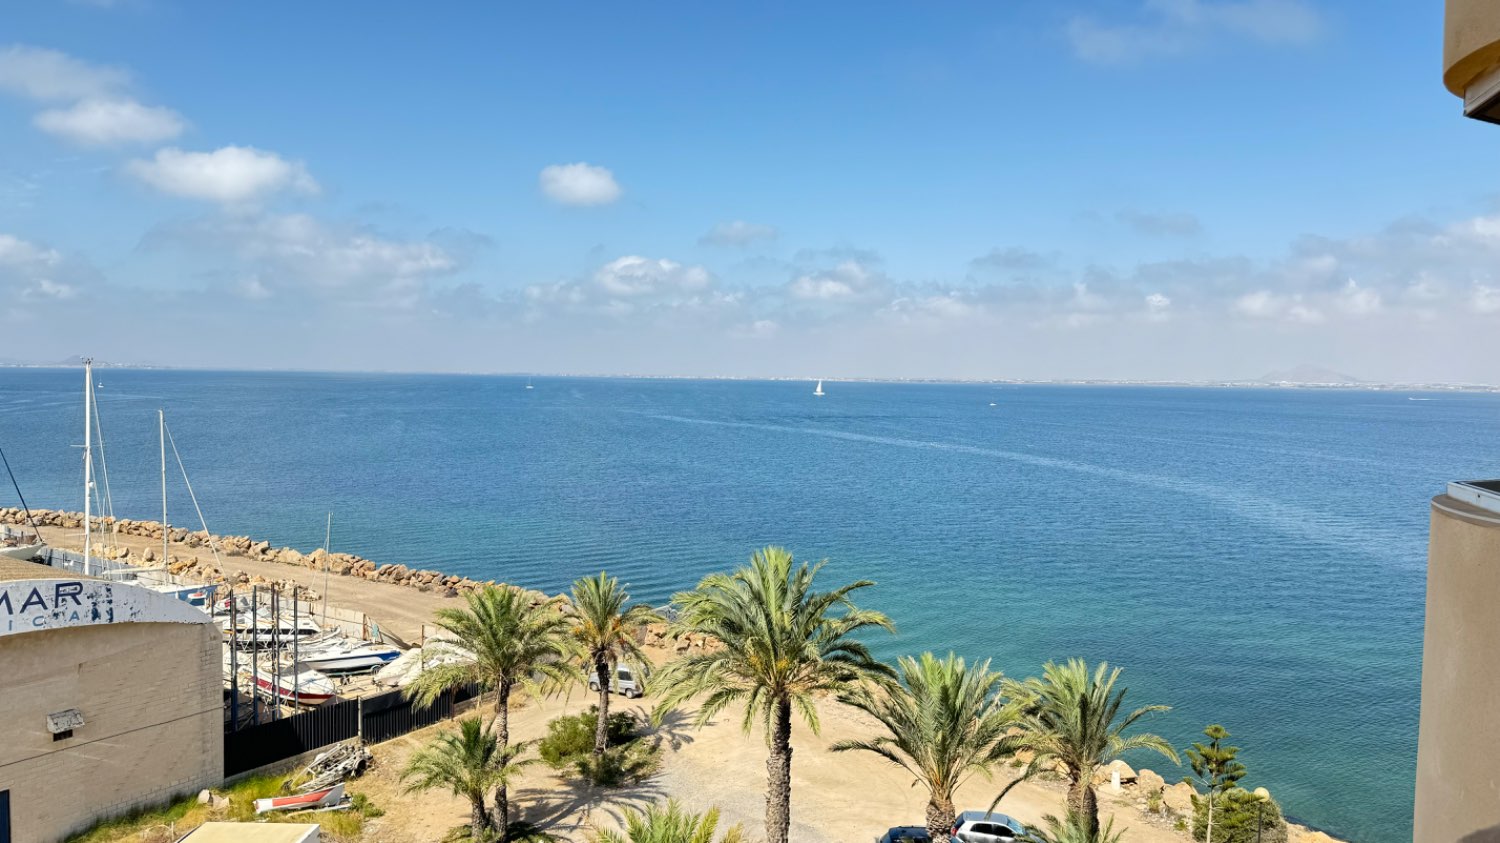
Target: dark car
906, 834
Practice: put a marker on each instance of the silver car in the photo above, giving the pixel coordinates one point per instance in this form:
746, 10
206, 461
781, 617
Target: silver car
983, 827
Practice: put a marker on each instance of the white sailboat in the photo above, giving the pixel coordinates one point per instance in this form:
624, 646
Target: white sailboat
528, 384
819, 390
15, 544
19, 544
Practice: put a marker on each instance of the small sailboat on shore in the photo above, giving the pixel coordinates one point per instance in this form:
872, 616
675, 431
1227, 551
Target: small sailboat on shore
819, 391
19, 544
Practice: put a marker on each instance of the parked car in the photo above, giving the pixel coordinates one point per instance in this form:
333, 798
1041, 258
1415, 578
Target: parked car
624, 682
982, 827
906, 834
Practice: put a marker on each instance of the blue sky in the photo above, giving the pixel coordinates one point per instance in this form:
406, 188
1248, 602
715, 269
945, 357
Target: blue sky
1125, 189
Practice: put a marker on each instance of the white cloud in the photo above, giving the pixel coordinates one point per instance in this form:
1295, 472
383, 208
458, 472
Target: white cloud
850, 281
1174, 27
42, 74
99, 122
633, 276
1485, 299
1358, 301
265, 255
46, 288
1158, 307
579, 184
231, 174
33, 273
17, 252
737, 233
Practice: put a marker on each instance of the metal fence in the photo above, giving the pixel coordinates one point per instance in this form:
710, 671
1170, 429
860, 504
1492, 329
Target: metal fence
373, 719
267, 743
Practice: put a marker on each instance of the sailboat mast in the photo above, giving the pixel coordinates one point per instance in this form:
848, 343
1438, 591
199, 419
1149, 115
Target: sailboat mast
327, 564
88, 459
161, 419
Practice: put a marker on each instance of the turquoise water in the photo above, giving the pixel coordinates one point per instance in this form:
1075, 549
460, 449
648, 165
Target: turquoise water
1251, 557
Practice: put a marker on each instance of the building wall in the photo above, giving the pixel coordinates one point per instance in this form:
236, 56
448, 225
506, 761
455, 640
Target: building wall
151, 698
1471, 41
1458, 793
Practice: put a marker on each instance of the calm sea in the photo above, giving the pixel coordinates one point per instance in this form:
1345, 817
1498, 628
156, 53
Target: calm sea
1251, 557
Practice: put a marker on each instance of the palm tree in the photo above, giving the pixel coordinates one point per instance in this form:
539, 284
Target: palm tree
501, 641
672, 824
776, 644
1071, 718
943, 723
468, 763
1073, 829
604, 631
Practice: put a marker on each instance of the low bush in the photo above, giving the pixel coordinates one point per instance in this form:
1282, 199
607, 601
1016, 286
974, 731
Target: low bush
572, 735
569, 746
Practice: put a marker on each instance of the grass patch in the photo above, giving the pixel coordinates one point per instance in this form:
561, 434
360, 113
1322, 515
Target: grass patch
167, 823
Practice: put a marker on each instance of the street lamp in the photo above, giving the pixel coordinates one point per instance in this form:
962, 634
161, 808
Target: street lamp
1262, 796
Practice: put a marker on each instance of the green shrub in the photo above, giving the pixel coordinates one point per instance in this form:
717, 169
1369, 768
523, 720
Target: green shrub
628, 763
572, 735
1237, 816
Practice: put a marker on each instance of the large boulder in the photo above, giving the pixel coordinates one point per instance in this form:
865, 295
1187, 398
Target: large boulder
1149, 782
1105, 775
1179, 798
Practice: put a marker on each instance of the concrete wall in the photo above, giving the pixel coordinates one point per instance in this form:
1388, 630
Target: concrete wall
151, 696
1458, 744
1471, 41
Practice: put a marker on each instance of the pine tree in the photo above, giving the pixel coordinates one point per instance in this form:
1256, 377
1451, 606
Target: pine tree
1215, 766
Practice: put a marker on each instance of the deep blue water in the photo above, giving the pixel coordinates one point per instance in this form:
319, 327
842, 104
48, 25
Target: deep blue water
1251, 557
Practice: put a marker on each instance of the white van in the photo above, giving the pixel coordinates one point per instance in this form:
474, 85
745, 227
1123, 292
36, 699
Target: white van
625, 682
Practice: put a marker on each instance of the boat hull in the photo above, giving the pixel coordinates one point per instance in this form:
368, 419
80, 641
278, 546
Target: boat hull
24, 553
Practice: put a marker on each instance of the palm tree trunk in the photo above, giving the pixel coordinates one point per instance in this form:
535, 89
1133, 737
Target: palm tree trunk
479, 820
502, 795
779, 775
940, 817
601, 731
1210, 836
1084, 802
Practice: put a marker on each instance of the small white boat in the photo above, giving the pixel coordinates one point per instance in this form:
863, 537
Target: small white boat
18, 545
819, 390
323, 799
346, 655
264, 631
292, 683
528, 383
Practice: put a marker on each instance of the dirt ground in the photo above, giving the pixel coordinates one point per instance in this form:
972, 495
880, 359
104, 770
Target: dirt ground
847, 797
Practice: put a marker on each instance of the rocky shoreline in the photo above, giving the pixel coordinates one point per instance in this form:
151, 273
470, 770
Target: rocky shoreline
212, 572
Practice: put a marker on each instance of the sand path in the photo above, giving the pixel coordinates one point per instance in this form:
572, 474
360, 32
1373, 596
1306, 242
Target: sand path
836, 797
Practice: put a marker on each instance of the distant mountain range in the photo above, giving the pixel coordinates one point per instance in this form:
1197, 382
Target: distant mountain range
1306, 373
73, 362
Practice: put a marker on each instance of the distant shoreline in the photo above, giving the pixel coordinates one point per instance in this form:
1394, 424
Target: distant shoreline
1366, 386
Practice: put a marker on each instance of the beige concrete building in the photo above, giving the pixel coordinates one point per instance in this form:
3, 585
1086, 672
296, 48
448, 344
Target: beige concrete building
1458, 742
110, 699
1471, 56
